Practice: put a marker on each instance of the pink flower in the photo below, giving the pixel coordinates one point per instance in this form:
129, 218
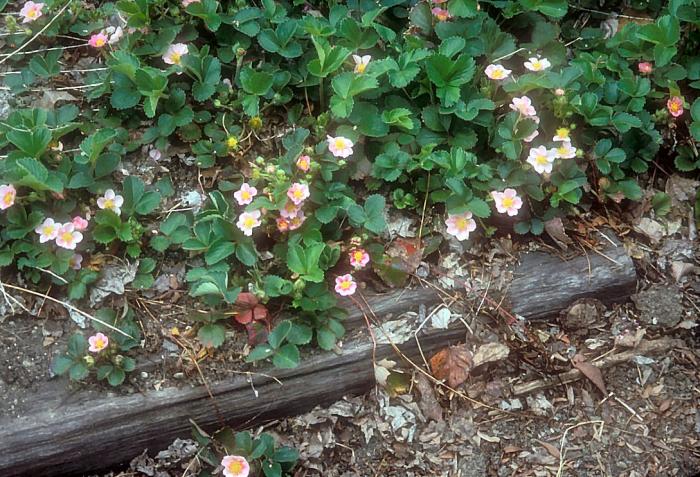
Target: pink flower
297, 221
304, 163
76, 261
68, 237
359, 258
282, 224
507, 202
111, 201
174, 54
645, 67
235, 466
48, 230
524, 106
80, 223
98, 40
298, 193
340, 146
460, 225
7, 196
98, 342
565, 151
497, 72
155, 154
245, 194
289, 210
542, 159
345, 285
31, 11
247, 221
441, 14
675, 106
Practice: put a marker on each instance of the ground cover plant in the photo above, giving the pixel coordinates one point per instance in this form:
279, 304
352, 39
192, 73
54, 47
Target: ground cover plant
300, 126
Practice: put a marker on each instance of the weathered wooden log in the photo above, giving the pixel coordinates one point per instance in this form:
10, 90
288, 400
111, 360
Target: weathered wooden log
65, 434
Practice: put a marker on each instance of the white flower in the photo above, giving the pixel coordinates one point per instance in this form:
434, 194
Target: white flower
507, 202
562, 135
174, 54
542, 159
48, 230
566, 151
111, 201
68, 237
537, 64
497, 72
245, 194
524, 106
361, 63
247, 221
340, 146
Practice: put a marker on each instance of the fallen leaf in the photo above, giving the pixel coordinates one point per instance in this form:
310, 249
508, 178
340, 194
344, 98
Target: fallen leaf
428, 403
487, 438
553, 451
453, 364
489, 353
591, 372
382, 371
651, 228
555, 229
680, 269
665, 404
509, 449
50, 98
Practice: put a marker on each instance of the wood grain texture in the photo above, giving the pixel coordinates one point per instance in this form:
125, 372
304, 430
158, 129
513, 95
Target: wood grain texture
544, 284
88, 431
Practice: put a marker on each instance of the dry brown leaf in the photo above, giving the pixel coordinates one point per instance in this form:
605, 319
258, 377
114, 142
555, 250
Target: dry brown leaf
489, 353
453, 364
665, 404
553, 451
555, 229
428, 403
591, 372
510, 449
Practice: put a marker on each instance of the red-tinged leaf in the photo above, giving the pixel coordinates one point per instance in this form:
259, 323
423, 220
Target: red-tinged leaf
246, 300
453, 364
257, 333
244, 317
260, 313
591, 372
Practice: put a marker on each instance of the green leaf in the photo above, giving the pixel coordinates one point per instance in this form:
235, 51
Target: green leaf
299, 334
272, 469
212, 335
255, 82
479, 208
93, 145
62, 364
661, 203
260, 352
279, 334
375, 206
78, 371
32, 143
116, 377
286, 357
219, 250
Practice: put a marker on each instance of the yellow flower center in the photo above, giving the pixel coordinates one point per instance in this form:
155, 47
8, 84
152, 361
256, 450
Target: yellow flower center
298, 194
497, 74
48, 230
563, 133
67, 237
175, 57
340, 143
507, 202
99, 343
249, 222
236, 467
245, 195
100, 42
541, 159
32, 13
360, 67
675, 107
359, 256
563, 150
232, 142
536, 65
345, 285
461, 223
8, 198
109, 203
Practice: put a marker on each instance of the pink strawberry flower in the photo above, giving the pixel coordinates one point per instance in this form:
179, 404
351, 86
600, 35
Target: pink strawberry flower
7, 196
111, 201
80, 223
98, 342
542, 159
524, 106
340, 146
76, 261
245, 194
297, 221
441, 14
235, 466
497, 72
98, 40
282, 224
345, 285
289, 210
173, 55
48, 230
675, 106
31, 11
645, 67
304, 163
359, 258
298, 193
537, 64
68, 237
507, 202
460, 225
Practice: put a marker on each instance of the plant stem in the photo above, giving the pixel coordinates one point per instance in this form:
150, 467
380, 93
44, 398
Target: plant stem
321, 95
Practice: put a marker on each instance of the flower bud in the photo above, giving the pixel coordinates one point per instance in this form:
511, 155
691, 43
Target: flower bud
89, 361
232, 142
299, 285
217, 103
255, 122
559, 92
259, 161
118, 360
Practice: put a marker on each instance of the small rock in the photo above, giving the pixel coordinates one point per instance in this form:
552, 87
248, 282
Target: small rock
660, 306
179, 375
490, 352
